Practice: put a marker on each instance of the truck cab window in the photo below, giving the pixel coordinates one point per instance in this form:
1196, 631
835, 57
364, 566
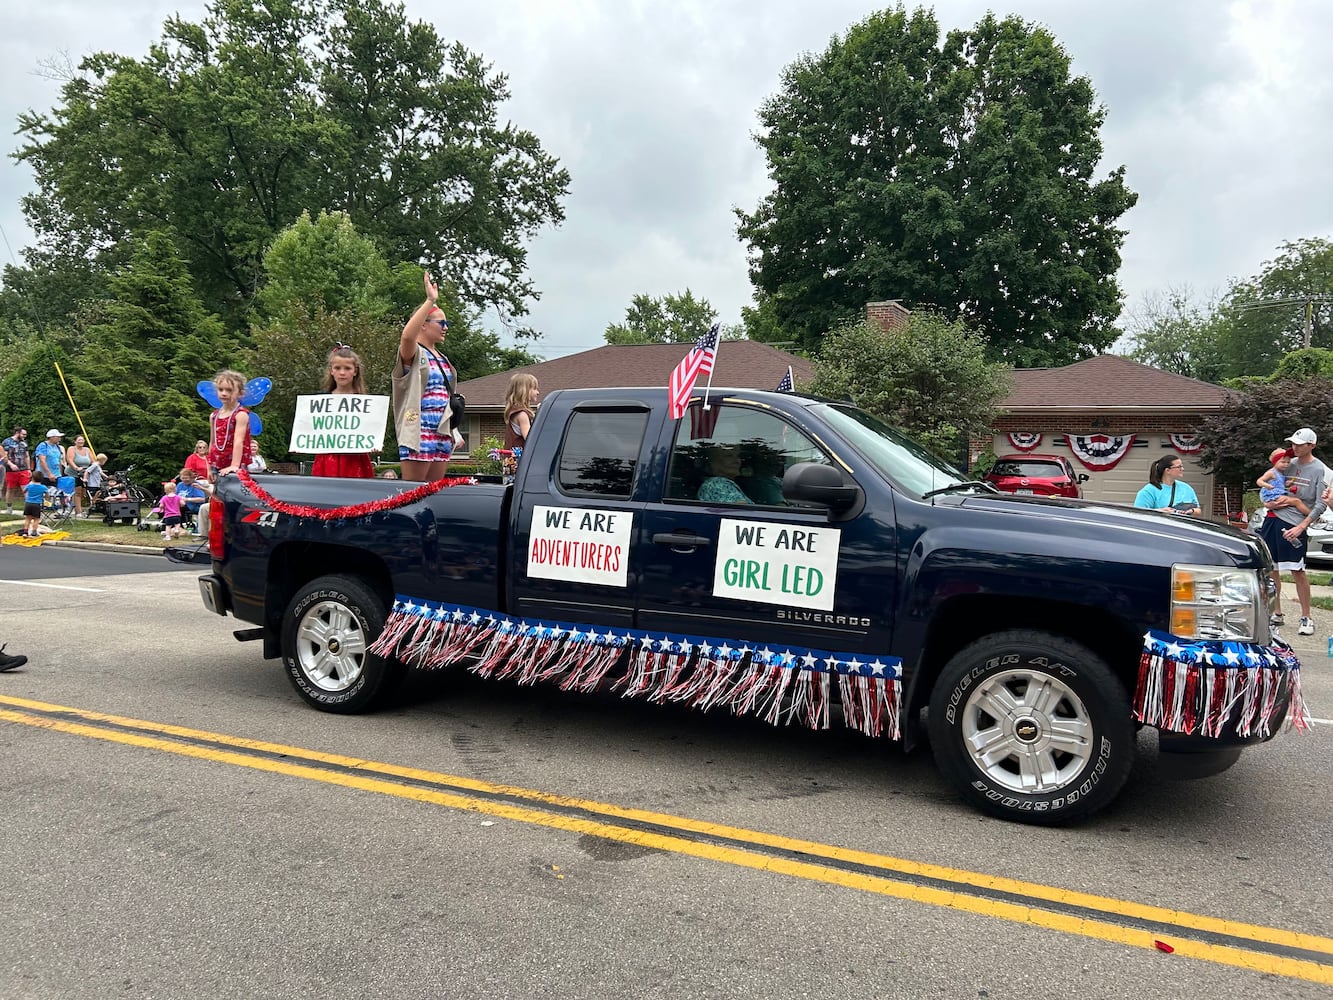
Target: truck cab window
735, 455
600, 452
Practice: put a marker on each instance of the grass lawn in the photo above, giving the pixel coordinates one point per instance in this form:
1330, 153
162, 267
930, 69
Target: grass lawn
93, 530
1316, 579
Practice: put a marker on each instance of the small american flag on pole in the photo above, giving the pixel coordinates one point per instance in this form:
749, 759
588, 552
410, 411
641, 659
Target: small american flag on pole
698, 362
786, 385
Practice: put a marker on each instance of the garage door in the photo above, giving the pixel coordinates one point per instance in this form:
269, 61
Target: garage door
1121, 484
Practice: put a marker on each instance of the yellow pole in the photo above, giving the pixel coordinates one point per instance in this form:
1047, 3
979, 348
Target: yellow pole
86, 439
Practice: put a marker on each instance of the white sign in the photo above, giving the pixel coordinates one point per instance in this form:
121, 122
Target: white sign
580, 545
777, 563
338, 423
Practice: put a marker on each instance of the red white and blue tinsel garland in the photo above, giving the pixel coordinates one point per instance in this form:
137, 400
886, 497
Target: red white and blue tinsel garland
401, 499
779, 684
1024, 440
1207, 687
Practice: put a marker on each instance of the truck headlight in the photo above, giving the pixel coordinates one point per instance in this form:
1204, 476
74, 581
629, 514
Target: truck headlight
1215, 602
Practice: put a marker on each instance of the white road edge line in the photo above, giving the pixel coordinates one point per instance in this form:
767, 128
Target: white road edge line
53, 586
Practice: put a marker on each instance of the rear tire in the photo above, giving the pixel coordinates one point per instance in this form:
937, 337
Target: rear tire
1032, 727
326, 631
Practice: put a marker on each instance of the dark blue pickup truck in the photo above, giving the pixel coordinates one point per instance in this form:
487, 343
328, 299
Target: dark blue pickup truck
785, 557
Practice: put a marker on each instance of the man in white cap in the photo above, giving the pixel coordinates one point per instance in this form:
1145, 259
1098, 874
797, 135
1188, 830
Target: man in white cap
1283, 530
49, 458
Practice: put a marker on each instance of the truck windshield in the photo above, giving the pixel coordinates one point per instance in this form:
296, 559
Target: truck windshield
898, 458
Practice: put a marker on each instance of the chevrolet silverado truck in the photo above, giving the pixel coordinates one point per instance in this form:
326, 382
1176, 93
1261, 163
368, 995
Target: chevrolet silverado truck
785, 557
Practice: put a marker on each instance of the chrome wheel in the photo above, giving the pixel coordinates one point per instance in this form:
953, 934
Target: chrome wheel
330, 646
1027, 731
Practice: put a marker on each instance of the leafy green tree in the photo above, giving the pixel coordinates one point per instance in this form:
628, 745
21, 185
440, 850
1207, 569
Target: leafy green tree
928, 376
31, 395
148, 346
1238, 438
1263, 318
1174, 332
672, 319
227, 129
955, 173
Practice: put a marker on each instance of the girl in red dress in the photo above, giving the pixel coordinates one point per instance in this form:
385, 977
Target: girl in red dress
229, 447
343, 376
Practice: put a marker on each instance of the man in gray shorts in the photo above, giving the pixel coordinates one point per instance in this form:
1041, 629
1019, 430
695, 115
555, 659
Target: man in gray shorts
1283, 530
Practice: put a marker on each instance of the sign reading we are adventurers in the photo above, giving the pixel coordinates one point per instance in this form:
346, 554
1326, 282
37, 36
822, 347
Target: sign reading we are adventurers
580, 544
335, 423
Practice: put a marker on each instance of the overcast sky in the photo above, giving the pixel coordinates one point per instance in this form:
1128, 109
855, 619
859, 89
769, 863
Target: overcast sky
1221, 113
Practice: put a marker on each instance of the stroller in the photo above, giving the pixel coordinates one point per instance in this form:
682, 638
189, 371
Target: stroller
58, 504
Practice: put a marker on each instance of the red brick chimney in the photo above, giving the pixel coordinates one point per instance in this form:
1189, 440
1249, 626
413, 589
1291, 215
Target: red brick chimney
887, 314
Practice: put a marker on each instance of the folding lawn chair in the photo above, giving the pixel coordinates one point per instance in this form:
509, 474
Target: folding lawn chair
58, 504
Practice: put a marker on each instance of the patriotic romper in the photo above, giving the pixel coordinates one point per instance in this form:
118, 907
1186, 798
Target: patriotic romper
434, 410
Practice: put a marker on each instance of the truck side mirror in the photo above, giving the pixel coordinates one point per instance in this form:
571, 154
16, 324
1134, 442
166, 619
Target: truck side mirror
810, 482
1083, 477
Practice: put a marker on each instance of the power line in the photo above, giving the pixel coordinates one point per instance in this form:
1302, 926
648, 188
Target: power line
1305, 301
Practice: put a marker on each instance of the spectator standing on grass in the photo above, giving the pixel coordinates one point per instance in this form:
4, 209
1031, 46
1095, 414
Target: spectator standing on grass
18, 466
1166, 490
1283, 530
50, 459
78, 457
33, 495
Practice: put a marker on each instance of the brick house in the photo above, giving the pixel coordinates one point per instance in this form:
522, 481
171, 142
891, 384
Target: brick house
741, 364
1096, 406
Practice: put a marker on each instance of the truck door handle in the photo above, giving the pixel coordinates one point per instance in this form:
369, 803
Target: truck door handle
680, 540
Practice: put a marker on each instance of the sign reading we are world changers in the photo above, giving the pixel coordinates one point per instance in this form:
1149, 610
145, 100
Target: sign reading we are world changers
333, 423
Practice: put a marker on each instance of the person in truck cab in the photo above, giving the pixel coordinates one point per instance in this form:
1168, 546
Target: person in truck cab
719, 486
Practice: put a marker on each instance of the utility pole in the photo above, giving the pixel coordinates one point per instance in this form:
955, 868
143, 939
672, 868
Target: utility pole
1307, 301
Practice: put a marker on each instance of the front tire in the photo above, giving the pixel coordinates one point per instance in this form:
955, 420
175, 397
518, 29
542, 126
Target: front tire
1032, 727
326, 632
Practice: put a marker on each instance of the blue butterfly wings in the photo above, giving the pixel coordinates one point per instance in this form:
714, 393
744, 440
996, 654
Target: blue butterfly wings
255, 391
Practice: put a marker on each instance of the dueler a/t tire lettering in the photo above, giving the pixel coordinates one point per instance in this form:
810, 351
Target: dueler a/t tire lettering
1032, 727
326, 630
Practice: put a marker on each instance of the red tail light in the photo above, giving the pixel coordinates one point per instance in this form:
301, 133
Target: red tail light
217, 545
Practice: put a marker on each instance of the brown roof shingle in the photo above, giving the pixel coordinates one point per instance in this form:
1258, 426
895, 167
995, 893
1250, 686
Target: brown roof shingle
1109, 381
741, 364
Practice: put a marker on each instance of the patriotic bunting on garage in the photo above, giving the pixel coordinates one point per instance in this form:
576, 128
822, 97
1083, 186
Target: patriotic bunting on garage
1024, 440
777, 683
1214, 688
1100, 452
1187, 444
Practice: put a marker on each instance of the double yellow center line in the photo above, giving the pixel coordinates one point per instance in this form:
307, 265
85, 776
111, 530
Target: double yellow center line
1226, 942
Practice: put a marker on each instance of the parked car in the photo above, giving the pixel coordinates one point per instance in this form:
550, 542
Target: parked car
1037, 475
1320, 534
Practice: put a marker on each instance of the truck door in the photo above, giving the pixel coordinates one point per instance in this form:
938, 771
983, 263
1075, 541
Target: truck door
723, 554
574, 521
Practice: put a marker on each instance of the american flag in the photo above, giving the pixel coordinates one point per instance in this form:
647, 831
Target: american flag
698, 362
703, 422
786, 385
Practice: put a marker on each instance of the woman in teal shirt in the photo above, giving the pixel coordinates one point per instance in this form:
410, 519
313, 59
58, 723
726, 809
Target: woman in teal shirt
1166, 490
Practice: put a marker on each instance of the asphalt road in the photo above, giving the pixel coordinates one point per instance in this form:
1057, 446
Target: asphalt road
191, 829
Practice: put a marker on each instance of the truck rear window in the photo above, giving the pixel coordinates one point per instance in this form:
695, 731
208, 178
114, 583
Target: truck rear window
600, 452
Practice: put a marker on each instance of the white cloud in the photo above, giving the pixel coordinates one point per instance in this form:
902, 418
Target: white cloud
1218, 113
